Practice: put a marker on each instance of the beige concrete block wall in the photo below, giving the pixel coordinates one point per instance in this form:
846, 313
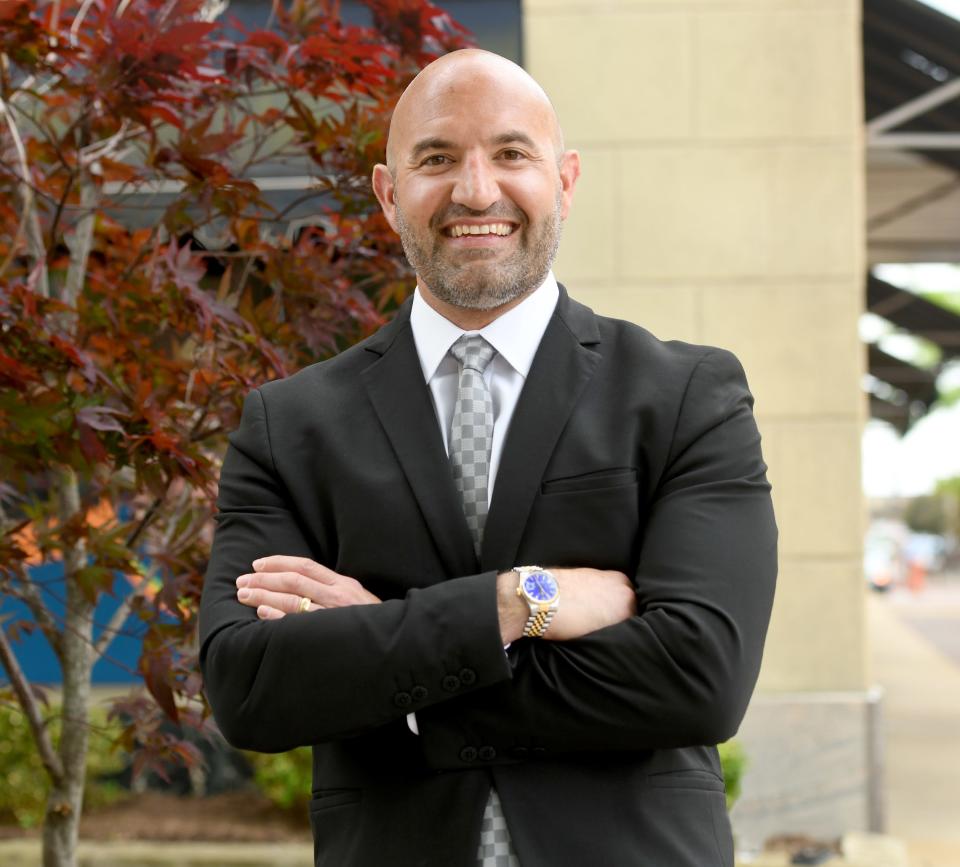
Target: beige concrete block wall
722, 202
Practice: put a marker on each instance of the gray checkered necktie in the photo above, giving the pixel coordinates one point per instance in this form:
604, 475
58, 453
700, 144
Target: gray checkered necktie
471, 439
471, 435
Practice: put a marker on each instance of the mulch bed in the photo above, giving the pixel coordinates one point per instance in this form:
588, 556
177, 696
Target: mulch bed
245, 817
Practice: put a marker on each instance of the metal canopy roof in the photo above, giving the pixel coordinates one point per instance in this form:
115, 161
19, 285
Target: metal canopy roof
908, 391
920, 317
911, 60
918, 384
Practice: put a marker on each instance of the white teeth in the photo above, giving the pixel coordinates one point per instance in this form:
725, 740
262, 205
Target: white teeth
501, 229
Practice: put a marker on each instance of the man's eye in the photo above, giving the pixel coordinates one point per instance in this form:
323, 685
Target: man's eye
512, 154
435, 160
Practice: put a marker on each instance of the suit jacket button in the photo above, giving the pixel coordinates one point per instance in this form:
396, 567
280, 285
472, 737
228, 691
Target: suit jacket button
487, 754
402, 699
418, 693
468, 754
519, 752
451, 683
468, 677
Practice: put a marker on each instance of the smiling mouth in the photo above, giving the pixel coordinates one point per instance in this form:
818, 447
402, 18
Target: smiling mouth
460, 230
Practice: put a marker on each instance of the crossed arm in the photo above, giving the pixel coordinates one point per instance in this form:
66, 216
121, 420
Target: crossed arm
591, 598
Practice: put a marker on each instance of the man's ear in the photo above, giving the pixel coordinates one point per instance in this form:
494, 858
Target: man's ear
569, 172
384, 189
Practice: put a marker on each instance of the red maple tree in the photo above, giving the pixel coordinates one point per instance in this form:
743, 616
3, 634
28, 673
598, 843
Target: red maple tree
147, 281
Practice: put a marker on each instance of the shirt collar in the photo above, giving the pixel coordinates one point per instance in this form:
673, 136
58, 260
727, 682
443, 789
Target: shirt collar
515, 334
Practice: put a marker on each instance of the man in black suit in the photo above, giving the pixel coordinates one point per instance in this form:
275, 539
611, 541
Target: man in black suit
464, 705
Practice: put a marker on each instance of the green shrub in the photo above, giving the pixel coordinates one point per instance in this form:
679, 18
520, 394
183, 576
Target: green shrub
285, 778
733, 760
23, 793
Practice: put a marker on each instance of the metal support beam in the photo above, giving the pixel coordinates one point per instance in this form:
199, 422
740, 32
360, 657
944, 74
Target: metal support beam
914, 107
917, 141
914, 203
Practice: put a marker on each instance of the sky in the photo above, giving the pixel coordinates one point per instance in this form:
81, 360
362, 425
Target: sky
911, 465
950, 7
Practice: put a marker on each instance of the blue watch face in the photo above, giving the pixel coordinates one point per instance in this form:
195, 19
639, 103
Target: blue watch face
540, 586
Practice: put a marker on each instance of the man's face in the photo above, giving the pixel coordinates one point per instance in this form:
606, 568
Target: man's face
478, 190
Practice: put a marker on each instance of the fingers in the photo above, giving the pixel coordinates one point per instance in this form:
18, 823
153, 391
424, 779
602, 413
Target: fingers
301, 565
620, 578
282, 582
344, 591
286, 603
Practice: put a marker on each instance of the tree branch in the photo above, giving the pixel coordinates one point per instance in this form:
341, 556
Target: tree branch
99, 149
78, 20
29, 219
81, 240
28, 704
201, 435
131, 540
141, 254
30, 595
67, 188
119, 617
115, 624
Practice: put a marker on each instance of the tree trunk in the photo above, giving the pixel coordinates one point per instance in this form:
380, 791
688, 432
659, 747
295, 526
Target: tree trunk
80, 239
65, 802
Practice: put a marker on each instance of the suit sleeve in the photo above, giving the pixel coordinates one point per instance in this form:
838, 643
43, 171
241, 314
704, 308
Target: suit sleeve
682, 670
274, 685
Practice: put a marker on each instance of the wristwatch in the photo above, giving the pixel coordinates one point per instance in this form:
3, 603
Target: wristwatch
539, 588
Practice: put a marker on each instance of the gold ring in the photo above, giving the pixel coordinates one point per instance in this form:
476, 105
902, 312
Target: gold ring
304, 604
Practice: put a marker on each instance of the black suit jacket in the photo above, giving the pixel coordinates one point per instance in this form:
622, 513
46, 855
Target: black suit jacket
624, 452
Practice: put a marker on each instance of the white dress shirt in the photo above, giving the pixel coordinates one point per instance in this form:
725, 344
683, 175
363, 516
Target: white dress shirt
515, 335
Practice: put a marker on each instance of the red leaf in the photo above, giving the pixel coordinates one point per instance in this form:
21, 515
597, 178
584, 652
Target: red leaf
181, 35
158, 687
16, 372
162, 113
90, 445
273, 42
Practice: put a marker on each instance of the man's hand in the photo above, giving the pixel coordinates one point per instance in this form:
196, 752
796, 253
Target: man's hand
589, 600
279, 583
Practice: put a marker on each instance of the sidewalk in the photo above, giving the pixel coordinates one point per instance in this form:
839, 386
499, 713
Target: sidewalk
921, 721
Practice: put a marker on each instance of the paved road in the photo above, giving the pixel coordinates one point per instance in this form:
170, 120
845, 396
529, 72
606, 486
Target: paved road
915, 655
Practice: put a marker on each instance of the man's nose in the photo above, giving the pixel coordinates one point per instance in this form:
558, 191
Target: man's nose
476, 186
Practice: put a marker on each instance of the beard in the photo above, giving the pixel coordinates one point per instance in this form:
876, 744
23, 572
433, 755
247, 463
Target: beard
475, 279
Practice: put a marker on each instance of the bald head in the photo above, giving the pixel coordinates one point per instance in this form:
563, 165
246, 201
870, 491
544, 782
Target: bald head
461, 78
476, 184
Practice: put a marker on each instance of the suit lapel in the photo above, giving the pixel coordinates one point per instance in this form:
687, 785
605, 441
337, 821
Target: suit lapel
561, 369
401, 400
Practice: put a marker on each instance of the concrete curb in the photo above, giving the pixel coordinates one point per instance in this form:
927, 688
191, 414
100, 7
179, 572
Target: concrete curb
26, 853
